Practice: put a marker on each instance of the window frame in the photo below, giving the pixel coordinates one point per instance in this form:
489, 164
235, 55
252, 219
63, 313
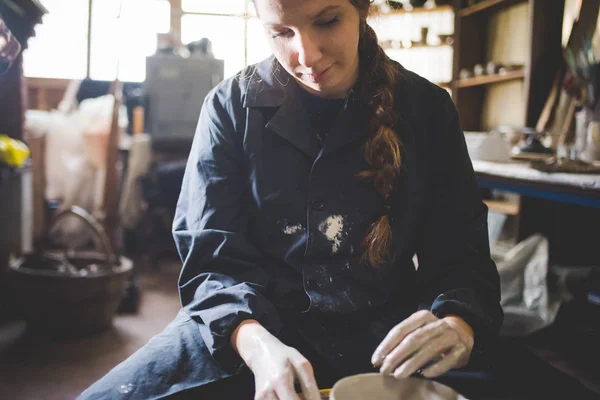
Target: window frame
177, 14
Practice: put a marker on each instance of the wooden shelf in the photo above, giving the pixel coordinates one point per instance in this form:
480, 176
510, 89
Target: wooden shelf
503, 207
534, 39
487, 6
416, 10
489, 79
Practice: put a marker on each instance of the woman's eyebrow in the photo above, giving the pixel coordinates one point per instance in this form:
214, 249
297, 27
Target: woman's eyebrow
325, 10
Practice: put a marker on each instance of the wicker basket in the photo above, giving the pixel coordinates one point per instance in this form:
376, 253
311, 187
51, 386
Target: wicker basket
66, 305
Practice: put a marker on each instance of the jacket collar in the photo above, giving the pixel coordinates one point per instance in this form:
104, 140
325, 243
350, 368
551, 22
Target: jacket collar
270, 85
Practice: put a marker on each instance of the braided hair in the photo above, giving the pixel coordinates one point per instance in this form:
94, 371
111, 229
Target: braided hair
382, 150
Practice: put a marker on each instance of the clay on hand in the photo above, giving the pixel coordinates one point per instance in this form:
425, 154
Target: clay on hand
276, 367
424, 344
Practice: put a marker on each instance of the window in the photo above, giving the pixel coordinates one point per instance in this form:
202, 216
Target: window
227, 35
258, 46
123, 33
231, 25
59, 47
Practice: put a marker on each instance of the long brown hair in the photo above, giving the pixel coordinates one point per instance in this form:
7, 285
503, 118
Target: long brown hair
382, 150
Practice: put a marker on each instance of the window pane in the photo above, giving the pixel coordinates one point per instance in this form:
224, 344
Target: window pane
225, 33
251, 9
214, 6
125, 41
59, 47
162, 16
258, 45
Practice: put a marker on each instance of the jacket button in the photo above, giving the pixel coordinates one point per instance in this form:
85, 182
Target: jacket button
317, 204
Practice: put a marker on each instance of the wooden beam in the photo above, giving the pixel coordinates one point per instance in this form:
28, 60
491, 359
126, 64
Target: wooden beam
37, 144
545, 57
176, 14
42, 100
47, 83
110, 205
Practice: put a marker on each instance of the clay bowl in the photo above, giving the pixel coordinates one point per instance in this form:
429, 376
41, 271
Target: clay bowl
382, 387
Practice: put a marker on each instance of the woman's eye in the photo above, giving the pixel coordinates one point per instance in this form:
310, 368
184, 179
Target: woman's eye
328, 23
283, 33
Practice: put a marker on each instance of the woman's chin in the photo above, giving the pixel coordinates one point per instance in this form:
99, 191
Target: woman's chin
324, 89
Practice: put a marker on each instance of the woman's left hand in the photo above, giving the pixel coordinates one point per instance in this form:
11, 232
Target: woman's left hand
421, 339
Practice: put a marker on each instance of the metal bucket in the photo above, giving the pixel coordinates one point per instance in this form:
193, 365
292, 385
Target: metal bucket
70, 293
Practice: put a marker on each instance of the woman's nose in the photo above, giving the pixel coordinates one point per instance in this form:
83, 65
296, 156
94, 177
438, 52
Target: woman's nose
309, 51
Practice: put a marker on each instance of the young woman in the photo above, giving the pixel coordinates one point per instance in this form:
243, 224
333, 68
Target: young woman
313, 180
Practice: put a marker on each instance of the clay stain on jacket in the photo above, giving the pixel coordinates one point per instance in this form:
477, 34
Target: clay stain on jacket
333, 229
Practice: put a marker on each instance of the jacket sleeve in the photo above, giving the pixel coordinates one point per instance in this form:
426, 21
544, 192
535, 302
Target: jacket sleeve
221, 283
456, 274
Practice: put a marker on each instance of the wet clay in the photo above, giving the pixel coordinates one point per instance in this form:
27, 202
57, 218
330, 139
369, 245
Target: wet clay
384, 387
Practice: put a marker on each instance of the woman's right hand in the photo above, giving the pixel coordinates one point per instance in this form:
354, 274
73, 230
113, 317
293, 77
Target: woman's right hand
275, 365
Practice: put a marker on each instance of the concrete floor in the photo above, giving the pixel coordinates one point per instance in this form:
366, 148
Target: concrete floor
33, 367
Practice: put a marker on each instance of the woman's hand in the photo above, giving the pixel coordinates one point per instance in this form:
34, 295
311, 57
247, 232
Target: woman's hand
275, 365
425, 342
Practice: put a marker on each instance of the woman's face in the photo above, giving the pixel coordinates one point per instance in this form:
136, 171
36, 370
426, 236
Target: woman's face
316, 41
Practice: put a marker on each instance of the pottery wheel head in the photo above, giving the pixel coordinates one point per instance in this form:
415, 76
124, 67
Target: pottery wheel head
381, 387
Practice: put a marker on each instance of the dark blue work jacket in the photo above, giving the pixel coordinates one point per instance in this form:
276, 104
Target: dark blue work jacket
269, 223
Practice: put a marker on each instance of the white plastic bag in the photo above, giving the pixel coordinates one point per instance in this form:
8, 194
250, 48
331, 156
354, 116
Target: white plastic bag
76, 155
527, 304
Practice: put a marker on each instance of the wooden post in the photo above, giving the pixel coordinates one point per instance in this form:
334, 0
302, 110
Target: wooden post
110, 204
176, 14
138, 120
37, 145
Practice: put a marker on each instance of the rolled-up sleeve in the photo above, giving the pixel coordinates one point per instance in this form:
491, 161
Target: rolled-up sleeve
456, 273
222, 282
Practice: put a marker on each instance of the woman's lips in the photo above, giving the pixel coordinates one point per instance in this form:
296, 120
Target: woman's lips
320, 77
